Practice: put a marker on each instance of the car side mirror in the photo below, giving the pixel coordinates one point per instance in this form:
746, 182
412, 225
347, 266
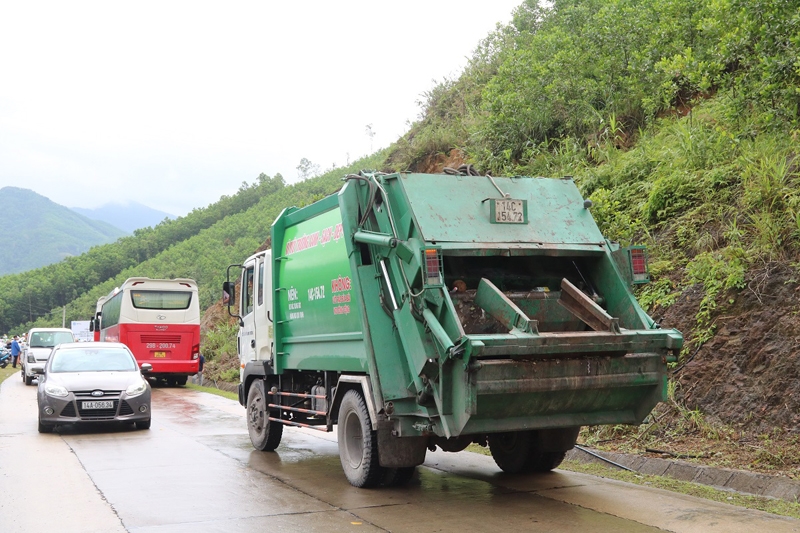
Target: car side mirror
39, 371
146, 368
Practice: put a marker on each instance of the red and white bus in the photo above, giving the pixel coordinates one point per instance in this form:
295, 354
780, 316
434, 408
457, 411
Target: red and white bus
159, 320
94, 323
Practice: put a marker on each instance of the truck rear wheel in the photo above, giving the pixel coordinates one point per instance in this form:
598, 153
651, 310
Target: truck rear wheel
521, 451
397, 477
358, 443
265, 435
511, 450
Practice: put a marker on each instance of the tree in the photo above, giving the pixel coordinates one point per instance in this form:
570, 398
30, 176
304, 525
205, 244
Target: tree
306, 169
371, 135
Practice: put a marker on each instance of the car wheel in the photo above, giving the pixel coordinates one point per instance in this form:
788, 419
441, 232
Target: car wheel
27, 379
358, 443
45, 428
143, 424
264, 434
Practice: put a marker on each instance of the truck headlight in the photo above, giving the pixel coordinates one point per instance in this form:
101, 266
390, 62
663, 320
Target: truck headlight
31, 358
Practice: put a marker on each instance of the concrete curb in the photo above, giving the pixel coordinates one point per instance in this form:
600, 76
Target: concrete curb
721, 478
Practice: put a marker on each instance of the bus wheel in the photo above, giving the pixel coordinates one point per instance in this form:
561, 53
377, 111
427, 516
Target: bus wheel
181, 380
358, 443
264, 434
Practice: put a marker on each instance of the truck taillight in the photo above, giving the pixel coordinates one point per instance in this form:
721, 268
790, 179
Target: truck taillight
195, 351
638, 260
432, 266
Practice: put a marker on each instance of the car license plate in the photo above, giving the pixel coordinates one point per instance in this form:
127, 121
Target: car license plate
159, 354
98, 405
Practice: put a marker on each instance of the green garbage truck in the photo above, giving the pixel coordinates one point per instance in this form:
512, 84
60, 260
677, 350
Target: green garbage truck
415, 311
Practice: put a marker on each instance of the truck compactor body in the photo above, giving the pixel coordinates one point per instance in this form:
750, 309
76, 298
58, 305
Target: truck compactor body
418, 310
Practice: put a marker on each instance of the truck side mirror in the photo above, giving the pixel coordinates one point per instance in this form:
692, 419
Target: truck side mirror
228, 293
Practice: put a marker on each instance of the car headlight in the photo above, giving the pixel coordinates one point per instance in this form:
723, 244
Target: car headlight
136, 389
55, 390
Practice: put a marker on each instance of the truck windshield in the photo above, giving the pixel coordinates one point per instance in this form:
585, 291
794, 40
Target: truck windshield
161, 299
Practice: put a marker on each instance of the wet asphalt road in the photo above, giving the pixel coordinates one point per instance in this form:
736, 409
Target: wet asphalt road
195, 470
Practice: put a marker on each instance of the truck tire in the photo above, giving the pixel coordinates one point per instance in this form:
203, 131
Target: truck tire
544, 461
264, 435
519, 452
511, 450
181, 380
26, 378
397, 477
358, 443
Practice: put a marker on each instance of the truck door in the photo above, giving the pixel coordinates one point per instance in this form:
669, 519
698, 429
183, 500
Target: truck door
247, 332
262, 315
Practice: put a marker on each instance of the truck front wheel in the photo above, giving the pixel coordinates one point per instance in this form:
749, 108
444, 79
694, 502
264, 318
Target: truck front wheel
358, 443
265, 435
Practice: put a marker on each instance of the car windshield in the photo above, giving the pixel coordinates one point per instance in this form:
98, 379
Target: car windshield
92, 360
48, 339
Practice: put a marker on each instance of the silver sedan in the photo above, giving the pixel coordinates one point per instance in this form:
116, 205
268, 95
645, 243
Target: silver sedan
90, 383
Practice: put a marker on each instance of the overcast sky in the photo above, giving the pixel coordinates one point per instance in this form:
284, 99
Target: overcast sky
174, 103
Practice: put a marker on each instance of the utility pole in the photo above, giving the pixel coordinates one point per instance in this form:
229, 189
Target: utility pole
64, 318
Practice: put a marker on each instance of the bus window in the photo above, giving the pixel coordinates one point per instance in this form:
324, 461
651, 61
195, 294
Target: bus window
161, 299
248, 293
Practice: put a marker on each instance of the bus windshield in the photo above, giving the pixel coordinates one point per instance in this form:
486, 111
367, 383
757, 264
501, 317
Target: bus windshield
161, 299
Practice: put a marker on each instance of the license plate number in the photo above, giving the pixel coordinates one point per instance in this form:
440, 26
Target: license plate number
159, 354
510, 211
98, 405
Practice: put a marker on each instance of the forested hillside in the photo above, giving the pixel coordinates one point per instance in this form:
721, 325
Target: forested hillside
679, 119
128, 217
200, 246
36, 231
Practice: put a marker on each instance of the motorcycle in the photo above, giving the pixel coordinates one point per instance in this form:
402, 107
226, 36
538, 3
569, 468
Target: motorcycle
5, 357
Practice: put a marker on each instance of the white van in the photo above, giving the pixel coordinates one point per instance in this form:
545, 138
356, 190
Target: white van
40, 342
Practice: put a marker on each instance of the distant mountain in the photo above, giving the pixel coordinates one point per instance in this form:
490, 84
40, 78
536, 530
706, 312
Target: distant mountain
129, 217
35, 231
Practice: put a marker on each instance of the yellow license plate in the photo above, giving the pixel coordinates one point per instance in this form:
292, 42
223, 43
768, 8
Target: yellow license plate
159, 354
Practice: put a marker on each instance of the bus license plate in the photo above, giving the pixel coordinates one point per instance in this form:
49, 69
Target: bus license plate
98, 405
159, 354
